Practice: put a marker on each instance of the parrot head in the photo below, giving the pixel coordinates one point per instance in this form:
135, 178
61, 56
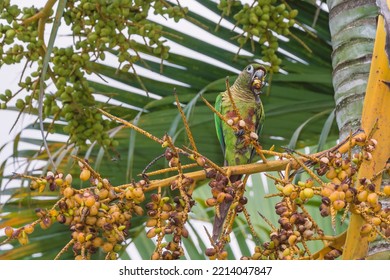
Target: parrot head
252, 79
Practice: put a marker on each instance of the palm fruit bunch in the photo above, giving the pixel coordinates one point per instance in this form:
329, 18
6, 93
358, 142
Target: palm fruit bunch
166, 219
262, 22
98, 217
167, 215
97, 27
336, 183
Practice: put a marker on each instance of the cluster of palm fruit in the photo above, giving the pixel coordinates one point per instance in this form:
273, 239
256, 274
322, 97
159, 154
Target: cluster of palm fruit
222, 191
340, 191
98, 27
260, 22
98, 216
166, 217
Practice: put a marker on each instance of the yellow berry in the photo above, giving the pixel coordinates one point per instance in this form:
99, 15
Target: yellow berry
338, 204
386, 189
90, 201
308, 192
9, 231
372, 198
288, 189
28, 229
68, 192
85, 174
107, 247
362, 196
366, 229
376, 221
331, 173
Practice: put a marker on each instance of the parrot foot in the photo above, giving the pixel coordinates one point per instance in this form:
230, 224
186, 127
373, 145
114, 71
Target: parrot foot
239, 133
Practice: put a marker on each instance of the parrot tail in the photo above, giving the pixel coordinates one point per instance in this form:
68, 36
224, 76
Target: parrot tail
223, 211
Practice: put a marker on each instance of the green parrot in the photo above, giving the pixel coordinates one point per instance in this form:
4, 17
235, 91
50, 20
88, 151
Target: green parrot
245, 92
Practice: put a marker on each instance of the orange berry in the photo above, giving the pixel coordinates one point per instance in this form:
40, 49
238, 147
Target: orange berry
372, 198
366, 229
68, 192
338, 204
288, 189
90, 201
107, 247
376, 221
28, 229
308, 192
9, 231
211, 202
85, 175
362, 196
386, 189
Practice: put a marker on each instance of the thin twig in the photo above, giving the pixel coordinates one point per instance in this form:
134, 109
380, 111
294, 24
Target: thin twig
185, 122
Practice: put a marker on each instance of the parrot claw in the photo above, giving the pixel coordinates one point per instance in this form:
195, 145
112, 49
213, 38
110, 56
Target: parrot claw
239, 133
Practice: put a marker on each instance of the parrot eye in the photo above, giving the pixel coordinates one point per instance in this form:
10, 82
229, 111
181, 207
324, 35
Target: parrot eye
249, 69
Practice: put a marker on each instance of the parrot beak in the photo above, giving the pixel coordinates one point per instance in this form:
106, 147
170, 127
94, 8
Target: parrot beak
257, 82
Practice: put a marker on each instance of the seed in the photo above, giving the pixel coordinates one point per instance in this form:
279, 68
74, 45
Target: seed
173, 162
107, 247
342, 175
85, 174
155, 256
253, 135
241, 123
211, 202
69, 179
292, 239
151, 233
308, 233
68, 192
324, 160
338, 204
362, 196
8, 231
308, 192
210, 252
28, 229
366, 229
331, 173
138, 210
138, 192
386, 189
288, 189
23, 240
373, 235
376, 221
200, 161
372, 198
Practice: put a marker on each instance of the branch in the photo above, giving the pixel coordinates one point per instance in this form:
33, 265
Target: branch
275, 165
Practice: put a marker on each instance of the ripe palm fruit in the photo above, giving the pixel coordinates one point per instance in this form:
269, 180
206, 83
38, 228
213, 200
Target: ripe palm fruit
85, 174
288, 189
8, 231
366, 229
372, 198
28, 229
386, 189
308, 193
362, 196
338, 204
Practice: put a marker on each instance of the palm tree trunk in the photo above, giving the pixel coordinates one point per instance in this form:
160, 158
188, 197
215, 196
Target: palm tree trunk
352, 26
